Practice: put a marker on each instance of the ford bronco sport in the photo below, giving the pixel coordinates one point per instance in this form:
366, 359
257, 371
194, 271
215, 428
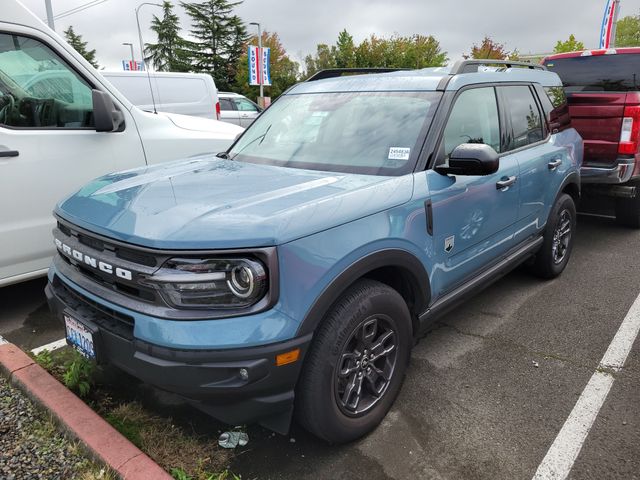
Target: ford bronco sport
603, 92
298, 268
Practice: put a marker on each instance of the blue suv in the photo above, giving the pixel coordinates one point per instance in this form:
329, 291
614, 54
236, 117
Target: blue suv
294, 272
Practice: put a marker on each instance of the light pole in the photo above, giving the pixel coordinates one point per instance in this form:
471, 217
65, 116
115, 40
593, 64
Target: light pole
140, 31
133, 59
260, 57
49, 8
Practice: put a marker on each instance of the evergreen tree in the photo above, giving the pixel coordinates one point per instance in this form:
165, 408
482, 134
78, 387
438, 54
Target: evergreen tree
169, 53
219, 35
345, 50
76, 42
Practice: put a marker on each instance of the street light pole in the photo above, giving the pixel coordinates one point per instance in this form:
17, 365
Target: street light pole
133, 59
260, 58
139, 30
47, 4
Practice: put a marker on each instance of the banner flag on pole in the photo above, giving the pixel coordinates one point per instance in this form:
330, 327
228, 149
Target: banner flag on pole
608, 24
259, 71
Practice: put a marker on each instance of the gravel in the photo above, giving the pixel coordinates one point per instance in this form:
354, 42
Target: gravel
30, 445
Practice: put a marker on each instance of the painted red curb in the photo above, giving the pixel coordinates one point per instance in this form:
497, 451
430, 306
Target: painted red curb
104, 441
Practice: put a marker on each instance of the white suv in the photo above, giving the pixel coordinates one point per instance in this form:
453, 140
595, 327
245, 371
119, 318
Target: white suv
238, 109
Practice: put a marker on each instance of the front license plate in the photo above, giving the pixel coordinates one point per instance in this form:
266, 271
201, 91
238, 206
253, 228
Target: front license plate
80, 337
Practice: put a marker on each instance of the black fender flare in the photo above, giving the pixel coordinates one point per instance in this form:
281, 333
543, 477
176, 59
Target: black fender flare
392, 257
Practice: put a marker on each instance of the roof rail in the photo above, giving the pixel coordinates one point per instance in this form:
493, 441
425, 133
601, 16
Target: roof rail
338, 72
471, 66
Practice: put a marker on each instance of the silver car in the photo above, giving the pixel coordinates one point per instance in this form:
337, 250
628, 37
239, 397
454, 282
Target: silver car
238, 109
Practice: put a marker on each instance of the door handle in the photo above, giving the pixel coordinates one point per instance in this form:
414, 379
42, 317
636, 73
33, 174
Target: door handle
553, 164
504, 184
5, 152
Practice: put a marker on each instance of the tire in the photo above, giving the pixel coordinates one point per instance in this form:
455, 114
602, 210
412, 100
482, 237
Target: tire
628, 211
323, 405
553, 256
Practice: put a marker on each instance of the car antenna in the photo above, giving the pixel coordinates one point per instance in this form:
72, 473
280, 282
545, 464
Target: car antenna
153, 100
144, 63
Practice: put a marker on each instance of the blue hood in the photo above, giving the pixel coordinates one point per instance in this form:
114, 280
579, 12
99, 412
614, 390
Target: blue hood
208, 203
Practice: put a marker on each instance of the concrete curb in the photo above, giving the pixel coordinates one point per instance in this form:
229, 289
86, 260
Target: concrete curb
82, 423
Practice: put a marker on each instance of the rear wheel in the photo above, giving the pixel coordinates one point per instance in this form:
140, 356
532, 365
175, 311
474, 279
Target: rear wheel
356, 364
556, 248
628, 211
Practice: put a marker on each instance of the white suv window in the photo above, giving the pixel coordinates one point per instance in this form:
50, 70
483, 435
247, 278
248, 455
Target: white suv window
38, 90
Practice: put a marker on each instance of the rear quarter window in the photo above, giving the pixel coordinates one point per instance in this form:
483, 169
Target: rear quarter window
554, 103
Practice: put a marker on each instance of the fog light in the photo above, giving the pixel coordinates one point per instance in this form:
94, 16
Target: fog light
244, 374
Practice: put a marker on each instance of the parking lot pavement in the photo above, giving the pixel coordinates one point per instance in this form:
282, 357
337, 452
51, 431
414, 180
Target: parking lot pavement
488, 389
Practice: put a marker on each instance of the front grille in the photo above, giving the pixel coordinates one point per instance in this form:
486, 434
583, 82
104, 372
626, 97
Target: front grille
106, 318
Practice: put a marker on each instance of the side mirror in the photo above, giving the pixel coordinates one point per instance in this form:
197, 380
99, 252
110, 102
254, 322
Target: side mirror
106, 116
471, 159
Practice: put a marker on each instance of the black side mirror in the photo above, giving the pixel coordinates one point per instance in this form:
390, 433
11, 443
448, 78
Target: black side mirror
471, 159
106, 116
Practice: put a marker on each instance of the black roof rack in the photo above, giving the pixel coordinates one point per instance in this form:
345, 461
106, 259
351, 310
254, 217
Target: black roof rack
471, 66
338, 72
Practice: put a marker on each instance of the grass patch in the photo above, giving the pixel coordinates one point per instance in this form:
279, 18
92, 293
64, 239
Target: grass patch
186, 456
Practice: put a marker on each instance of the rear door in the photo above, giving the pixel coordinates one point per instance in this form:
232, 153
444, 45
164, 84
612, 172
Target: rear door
228, 111
597, 88
247, 110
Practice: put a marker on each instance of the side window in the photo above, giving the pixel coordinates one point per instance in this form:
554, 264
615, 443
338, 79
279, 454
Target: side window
38, 90
245, 105
526, 121
555, 103
226, 104
473, 119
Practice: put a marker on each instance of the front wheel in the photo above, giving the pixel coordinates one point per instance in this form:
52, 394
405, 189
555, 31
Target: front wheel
356, 363
559, 234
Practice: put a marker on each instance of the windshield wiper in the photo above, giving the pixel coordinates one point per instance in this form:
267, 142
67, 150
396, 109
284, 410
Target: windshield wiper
223, 155
259, 137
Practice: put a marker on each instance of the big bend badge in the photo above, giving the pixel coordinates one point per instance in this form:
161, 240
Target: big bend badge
449, 243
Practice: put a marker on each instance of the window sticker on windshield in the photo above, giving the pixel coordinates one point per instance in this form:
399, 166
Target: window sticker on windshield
399, 153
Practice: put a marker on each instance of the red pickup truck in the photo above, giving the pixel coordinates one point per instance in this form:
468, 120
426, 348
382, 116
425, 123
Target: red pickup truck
603, 92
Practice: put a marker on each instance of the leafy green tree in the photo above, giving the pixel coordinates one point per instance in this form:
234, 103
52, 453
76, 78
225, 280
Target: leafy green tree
345, 55
489, 48
76, 42
169, 53
284, 71
219, 35
325, 57
570, 45
628, 32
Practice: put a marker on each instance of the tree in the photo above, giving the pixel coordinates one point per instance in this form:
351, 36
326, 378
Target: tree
628, 32
345, 55
218, 36
76, 42
324, 58
488, 48
571, 45
284, 71
169, 53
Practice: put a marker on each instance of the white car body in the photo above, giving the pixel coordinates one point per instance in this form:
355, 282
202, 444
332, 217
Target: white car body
41, 165
237, 109
184, 93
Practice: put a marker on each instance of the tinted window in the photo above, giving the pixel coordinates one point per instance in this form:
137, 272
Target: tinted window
374, 133
226, 104
245, 105
554, 101
524, 113
37, 89
608, 73
473, 119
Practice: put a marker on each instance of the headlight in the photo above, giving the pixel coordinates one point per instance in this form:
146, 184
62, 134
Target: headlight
211, 283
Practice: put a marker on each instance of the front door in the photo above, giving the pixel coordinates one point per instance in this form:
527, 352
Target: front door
473, 216
48, 149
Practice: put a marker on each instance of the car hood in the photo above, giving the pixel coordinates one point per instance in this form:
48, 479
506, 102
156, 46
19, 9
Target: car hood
200, 124
208, 203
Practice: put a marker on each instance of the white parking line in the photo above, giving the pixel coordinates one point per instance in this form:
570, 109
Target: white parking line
50, 346
562, 454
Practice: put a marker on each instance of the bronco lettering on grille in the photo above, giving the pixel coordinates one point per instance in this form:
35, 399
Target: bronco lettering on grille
92, 262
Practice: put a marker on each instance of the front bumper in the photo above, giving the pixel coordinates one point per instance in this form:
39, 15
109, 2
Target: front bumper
210, 379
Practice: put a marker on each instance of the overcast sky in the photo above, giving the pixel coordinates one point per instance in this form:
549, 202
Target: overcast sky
531, 26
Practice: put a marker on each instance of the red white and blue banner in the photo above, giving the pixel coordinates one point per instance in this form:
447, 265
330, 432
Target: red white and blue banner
259, 69
608, 28
131, 66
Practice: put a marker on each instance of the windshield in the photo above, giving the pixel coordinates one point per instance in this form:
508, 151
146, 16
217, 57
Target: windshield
599, 73
373, 133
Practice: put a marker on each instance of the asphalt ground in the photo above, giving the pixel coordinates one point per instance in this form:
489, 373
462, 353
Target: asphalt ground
488, 389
